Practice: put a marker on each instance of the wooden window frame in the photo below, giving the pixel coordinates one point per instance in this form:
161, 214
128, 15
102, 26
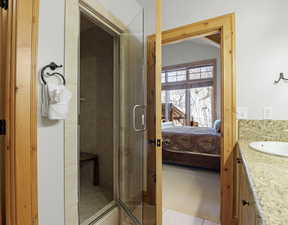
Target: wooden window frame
226, 26
190, 83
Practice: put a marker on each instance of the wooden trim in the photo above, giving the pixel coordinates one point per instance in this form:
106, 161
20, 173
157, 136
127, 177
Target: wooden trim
206, 62
158, 111
21, 138
215, 38
225, 24
33, 115
3, 32
187, 85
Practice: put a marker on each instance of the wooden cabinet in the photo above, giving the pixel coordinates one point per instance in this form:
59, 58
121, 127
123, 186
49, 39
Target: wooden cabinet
245, 205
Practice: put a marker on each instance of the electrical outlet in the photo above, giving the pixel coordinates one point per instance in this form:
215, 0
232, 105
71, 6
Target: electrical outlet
242, 113
267, 113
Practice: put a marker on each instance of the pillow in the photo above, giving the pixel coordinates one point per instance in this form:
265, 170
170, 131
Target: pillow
217, 126
167, 125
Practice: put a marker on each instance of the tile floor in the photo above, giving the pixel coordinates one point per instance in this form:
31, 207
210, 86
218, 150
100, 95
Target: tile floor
92, 199
171, 217
191, 196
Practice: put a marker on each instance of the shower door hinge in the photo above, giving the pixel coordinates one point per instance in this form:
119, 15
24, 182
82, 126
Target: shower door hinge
4, 4
2, 127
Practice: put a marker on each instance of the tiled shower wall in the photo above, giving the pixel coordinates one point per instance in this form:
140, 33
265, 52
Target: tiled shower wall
267, 130
96, 92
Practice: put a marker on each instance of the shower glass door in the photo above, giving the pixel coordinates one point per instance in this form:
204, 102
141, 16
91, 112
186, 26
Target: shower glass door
132, 121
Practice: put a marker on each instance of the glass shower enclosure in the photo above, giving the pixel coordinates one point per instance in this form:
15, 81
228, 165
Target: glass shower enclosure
127, 83
132, 120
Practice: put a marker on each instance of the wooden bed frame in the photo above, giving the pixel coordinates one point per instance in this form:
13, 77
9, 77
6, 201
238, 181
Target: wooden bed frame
205, 161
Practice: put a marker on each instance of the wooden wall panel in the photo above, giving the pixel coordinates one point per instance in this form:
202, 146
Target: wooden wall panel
153, 197
20, 113
3, 27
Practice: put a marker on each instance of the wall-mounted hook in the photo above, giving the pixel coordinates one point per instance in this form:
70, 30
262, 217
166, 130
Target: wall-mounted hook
281, 77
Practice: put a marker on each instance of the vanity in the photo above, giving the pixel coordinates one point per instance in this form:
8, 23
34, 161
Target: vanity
245, 203
261, 182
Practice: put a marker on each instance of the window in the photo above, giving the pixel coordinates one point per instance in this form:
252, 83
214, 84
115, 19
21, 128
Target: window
190, 91
174, 76
177, 98
203, 72
201, 106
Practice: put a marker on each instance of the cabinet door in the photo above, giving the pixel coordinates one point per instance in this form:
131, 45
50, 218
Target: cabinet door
246, 203
251, 212
237, 167
242, 197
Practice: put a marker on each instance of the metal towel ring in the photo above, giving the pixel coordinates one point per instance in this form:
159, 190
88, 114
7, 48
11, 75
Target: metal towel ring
57, 74
52, 66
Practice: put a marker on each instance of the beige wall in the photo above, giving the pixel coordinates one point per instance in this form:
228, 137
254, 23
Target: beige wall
96, 110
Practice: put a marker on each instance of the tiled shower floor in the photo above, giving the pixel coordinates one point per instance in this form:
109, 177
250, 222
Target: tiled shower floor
92, 199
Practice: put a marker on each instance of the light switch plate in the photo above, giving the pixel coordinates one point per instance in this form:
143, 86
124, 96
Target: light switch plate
242, 113
267, 113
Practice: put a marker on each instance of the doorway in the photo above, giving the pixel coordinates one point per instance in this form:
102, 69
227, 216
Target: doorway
98, 112
107, 78
225, 26
191, 120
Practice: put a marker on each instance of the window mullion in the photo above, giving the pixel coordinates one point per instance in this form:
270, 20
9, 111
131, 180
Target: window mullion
187, 106
167, 99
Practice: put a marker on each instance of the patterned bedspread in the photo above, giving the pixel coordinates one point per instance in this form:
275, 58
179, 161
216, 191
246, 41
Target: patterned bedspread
192, 139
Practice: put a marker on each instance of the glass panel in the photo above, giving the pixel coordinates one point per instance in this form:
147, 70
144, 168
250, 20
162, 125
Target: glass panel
203, 72
163, 96
163, 79
177, 98
171, 76
132, 118
175, 102
174, 76
201, 106
194, 74
96, 148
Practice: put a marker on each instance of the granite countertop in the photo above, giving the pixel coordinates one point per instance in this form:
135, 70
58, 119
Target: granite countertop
268, 179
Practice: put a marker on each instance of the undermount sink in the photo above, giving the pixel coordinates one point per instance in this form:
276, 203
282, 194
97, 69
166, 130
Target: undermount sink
271, 147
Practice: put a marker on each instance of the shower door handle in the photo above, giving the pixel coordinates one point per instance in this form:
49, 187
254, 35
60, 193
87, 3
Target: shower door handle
143, 118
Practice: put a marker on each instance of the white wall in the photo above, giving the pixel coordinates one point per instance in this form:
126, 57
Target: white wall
262, 46
191, 51
51, 134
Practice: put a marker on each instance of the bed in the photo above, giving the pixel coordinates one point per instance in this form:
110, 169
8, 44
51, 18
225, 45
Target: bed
192, 146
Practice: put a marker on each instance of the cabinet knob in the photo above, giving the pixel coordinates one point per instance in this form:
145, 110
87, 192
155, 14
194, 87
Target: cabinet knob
239, 160
244, 202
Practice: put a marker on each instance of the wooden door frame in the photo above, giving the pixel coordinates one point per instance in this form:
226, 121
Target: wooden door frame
20, 146
226, 26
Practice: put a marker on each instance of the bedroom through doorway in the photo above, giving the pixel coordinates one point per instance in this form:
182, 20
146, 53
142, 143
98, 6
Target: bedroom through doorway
191, 129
